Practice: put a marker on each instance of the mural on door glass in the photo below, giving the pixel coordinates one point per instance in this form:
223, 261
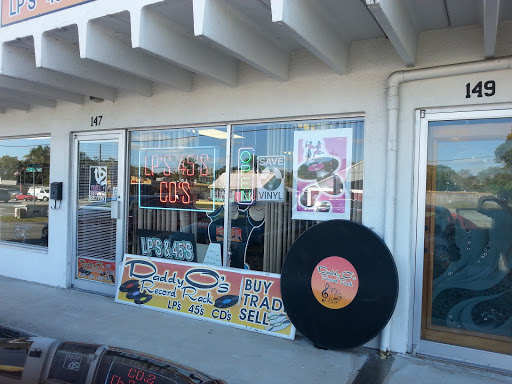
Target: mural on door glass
468, 227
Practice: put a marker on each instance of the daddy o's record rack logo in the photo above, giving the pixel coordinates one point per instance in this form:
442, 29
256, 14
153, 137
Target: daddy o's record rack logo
334, 282
15, 11
236, 297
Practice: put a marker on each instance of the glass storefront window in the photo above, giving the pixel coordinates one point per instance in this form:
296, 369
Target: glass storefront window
24, 190
284, 177
287, 176
172, 192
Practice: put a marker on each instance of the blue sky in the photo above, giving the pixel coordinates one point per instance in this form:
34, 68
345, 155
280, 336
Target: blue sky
472, 155
469, 144
21, 147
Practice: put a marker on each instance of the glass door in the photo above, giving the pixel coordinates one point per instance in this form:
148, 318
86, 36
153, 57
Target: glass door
98, 228
466, 226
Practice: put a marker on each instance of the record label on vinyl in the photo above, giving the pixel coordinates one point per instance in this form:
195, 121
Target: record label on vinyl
339, 284
334, 282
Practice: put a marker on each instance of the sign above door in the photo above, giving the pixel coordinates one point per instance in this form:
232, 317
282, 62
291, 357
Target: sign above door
15, 11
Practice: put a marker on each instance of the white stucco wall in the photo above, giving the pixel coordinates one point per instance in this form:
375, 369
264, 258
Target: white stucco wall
312, 90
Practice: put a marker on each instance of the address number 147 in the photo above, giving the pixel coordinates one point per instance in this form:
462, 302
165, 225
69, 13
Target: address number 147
96, 121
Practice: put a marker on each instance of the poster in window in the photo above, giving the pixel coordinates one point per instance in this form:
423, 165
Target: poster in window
96, 270
321, 174
97, 184
271, 172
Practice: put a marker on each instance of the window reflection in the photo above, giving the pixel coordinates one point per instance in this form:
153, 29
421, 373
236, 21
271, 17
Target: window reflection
13, 355
24, 190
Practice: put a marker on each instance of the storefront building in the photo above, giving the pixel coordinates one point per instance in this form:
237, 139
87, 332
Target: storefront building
216, 132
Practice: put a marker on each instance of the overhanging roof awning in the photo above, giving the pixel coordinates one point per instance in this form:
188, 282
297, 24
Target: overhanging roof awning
103, 46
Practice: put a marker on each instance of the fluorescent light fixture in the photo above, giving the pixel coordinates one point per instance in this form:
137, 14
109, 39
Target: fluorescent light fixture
216, 134
36, 138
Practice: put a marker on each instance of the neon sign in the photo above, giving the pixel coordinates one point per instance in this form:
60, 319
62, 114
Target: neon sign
245, 194
175, 178
174, 192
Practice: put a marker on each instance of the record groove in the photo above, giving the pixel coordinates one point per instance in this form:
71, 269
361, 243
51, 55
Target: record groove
318, 169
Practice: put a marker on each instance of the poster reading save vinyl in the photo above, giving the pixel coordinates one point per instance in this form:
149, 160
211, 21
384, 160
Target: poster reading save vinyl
239, 298
14, 11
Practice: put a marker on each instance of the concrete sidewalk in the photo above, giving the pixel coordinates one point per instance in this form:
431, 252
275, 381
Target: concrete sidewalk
237, 356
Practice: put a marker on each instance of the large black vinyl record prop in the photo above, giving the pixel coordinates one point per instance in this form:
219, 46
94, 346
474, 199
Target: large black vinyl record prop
339, 284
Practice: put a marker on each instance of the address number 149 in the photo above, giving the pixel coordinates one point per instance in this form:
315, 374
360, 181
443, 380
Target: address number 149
481, 89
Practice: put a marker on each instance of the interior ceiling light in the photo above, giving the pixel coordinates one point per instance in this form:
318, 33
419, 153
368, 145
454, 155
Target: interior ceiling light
217, 134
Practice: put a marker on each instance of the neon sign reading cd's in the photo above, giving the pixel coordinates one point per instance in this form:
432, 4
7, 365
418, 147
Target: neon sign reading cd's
176, 178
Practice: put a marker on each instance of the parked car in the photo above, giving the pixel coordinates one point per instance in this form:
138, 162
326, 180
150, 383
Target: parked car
4, 195
26, 197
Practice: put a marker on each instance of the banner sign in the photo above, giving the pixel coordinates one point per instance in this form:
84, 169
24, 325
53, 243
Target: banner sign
14, 11
97, 270
271, 188
235, 297
321, 177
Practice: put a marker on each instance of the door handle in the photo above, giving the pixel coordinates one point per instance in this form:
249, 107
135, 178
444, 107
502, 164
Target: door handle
114, 209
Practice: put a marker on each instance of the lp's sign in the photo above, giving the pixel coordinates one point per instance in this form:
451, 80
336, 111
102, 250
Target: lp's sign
14, 11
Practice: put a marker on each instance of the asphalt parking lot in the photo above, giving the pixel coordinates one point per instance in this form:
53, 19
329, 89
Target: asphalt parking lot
25, 230
234, 355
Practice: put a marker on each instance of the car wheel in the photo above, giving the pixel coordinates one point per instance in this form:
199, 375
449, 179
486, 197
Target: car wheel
45, 198
24, 199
